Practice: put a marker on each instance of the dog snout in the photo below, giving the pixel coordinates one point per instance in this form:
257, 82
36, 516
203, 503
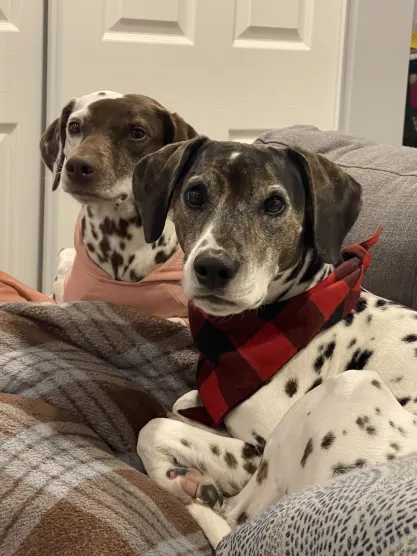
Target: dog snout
80, 168
214, 270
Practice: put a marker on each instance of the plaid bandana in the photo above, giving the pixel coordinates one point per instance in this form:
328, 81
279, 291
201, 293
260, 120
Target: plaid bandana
239, 354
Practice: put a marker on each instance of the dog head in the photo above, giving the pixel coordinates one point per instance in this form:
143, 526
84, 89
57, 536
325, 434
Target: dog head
244, 214
93, 147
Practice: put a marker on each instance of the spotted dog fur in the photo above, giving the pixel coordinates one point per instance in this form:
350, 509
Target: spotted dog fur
92, 150
267, 224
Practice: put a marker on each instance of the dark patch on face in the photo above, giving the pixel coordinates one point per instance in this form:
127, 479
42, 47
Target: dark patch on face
242, 518
369, 319
161, 241
250, 467
83, 227
380, 303
134, 276
404, 401
291, 387
361, 305
376, 383
250, 451
116, 261
105, 247
410, 338
91, 247
395, 446
316, 383
260, 441
328, 440
342, 468
352, 343
185, 442
210, 496
349, 319
161, 257
307, 451
215, 450
371, 430
263, 470
230, 460
359, 360
90, 212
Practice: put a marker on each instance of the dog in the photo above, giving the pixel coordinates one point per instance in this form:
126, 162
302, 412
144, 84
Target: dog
258, 224
92, 149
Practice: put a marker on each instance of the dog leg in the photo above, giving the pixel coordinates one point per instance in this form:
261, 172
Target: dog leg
65, 261
350, 421
195, 464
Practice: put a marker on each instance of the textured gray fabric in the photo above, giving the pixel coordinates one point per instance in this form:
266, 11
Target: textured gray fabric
388, 175
373, 511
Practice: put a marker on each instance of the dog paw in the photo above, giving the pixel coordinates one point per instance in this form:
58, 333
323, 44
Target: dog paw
196, 486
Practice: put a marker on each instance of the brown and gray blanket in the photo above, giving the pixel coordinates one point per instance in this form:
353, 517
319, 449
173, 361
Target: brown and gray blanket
77, 383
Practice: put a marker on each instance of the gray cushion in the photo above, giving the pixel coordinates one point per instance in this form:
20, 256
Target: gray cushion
388, 176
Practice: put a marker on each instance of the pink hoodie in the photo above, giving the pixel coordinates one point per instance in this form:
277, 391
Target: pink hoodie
160, 293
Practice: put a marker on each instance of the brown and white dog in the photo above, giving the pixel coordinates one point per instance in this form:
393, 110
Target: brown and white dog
257, 224
92, 149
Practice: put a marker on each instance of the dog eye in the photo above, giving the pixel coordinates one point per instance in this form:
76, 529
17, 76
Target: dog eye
137, 133
74, 127
195, 196
274, 205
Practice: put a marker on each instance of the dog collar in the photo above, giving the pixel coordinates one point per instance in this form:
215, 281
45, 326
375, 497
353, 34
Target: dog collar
238, 355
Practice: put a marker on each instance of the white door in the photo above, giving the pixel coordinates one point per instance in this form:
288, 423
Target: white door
232, 68
21, 52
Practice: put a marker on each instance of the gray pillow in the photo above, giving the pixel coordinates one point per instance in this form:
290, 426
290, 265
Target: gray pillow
388, 176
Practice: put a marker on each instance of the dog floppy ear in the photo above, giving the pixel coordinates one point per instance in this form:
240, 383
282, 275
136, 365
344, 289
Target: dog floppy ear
334, 201
52, 143
177, 129
154, 181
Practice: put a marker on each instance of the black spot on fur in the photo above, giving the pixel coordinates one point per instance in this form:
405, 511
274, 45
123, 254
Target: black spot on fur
230, 460
395, 446
390, 457
380, 303
131, 259
161, 241
307, 451
392, 424
369, 319
250, 451
105, 247
122, 245
362, 421
93, 232
352, 343
210, 496
404, 401
262, 472
185, 442
328, 440
136, 220
359, 360
344, 432
250, 467
398, 379
401, 430
116, 261
371, 430
349, 319
291, 387
328, 352
161, 257
83, 227
242, 518
316, 383
361, 305
154, 245
215, 450
318, 363
107, 227
260, 441
378, 411
376, 383
91, 247
341, 468
410, 338
101, 94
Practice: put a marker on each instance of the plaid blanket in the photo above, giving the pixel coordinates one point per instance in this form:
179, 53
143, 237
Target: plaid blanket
78, 382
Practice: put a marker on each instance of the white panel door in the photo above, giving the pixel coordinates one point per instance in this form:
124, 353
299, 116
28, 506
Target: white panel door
21, 52
232, 68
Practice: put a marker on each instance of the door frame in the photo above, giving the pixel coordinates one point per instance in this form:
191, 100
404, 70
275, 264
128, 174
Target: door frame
365, 107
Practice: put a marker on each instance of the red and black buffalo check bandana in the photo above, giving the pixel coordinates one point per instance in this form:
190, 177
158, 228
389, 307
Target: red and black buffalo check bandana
239, 354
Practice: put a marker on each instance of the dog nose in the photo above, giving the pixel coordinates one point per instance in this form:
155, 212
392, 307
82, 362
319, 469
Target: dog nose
79, 168
213, 270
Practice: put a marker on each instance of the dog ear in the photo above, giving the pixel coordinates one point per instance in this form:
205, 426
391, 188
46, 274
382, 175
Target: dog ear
334, 200
177, 129
52, 143
154, 181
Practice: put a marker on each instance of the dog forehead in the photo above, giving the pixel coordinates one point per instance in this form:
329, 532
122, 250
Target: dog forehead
122, 110
81, 105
